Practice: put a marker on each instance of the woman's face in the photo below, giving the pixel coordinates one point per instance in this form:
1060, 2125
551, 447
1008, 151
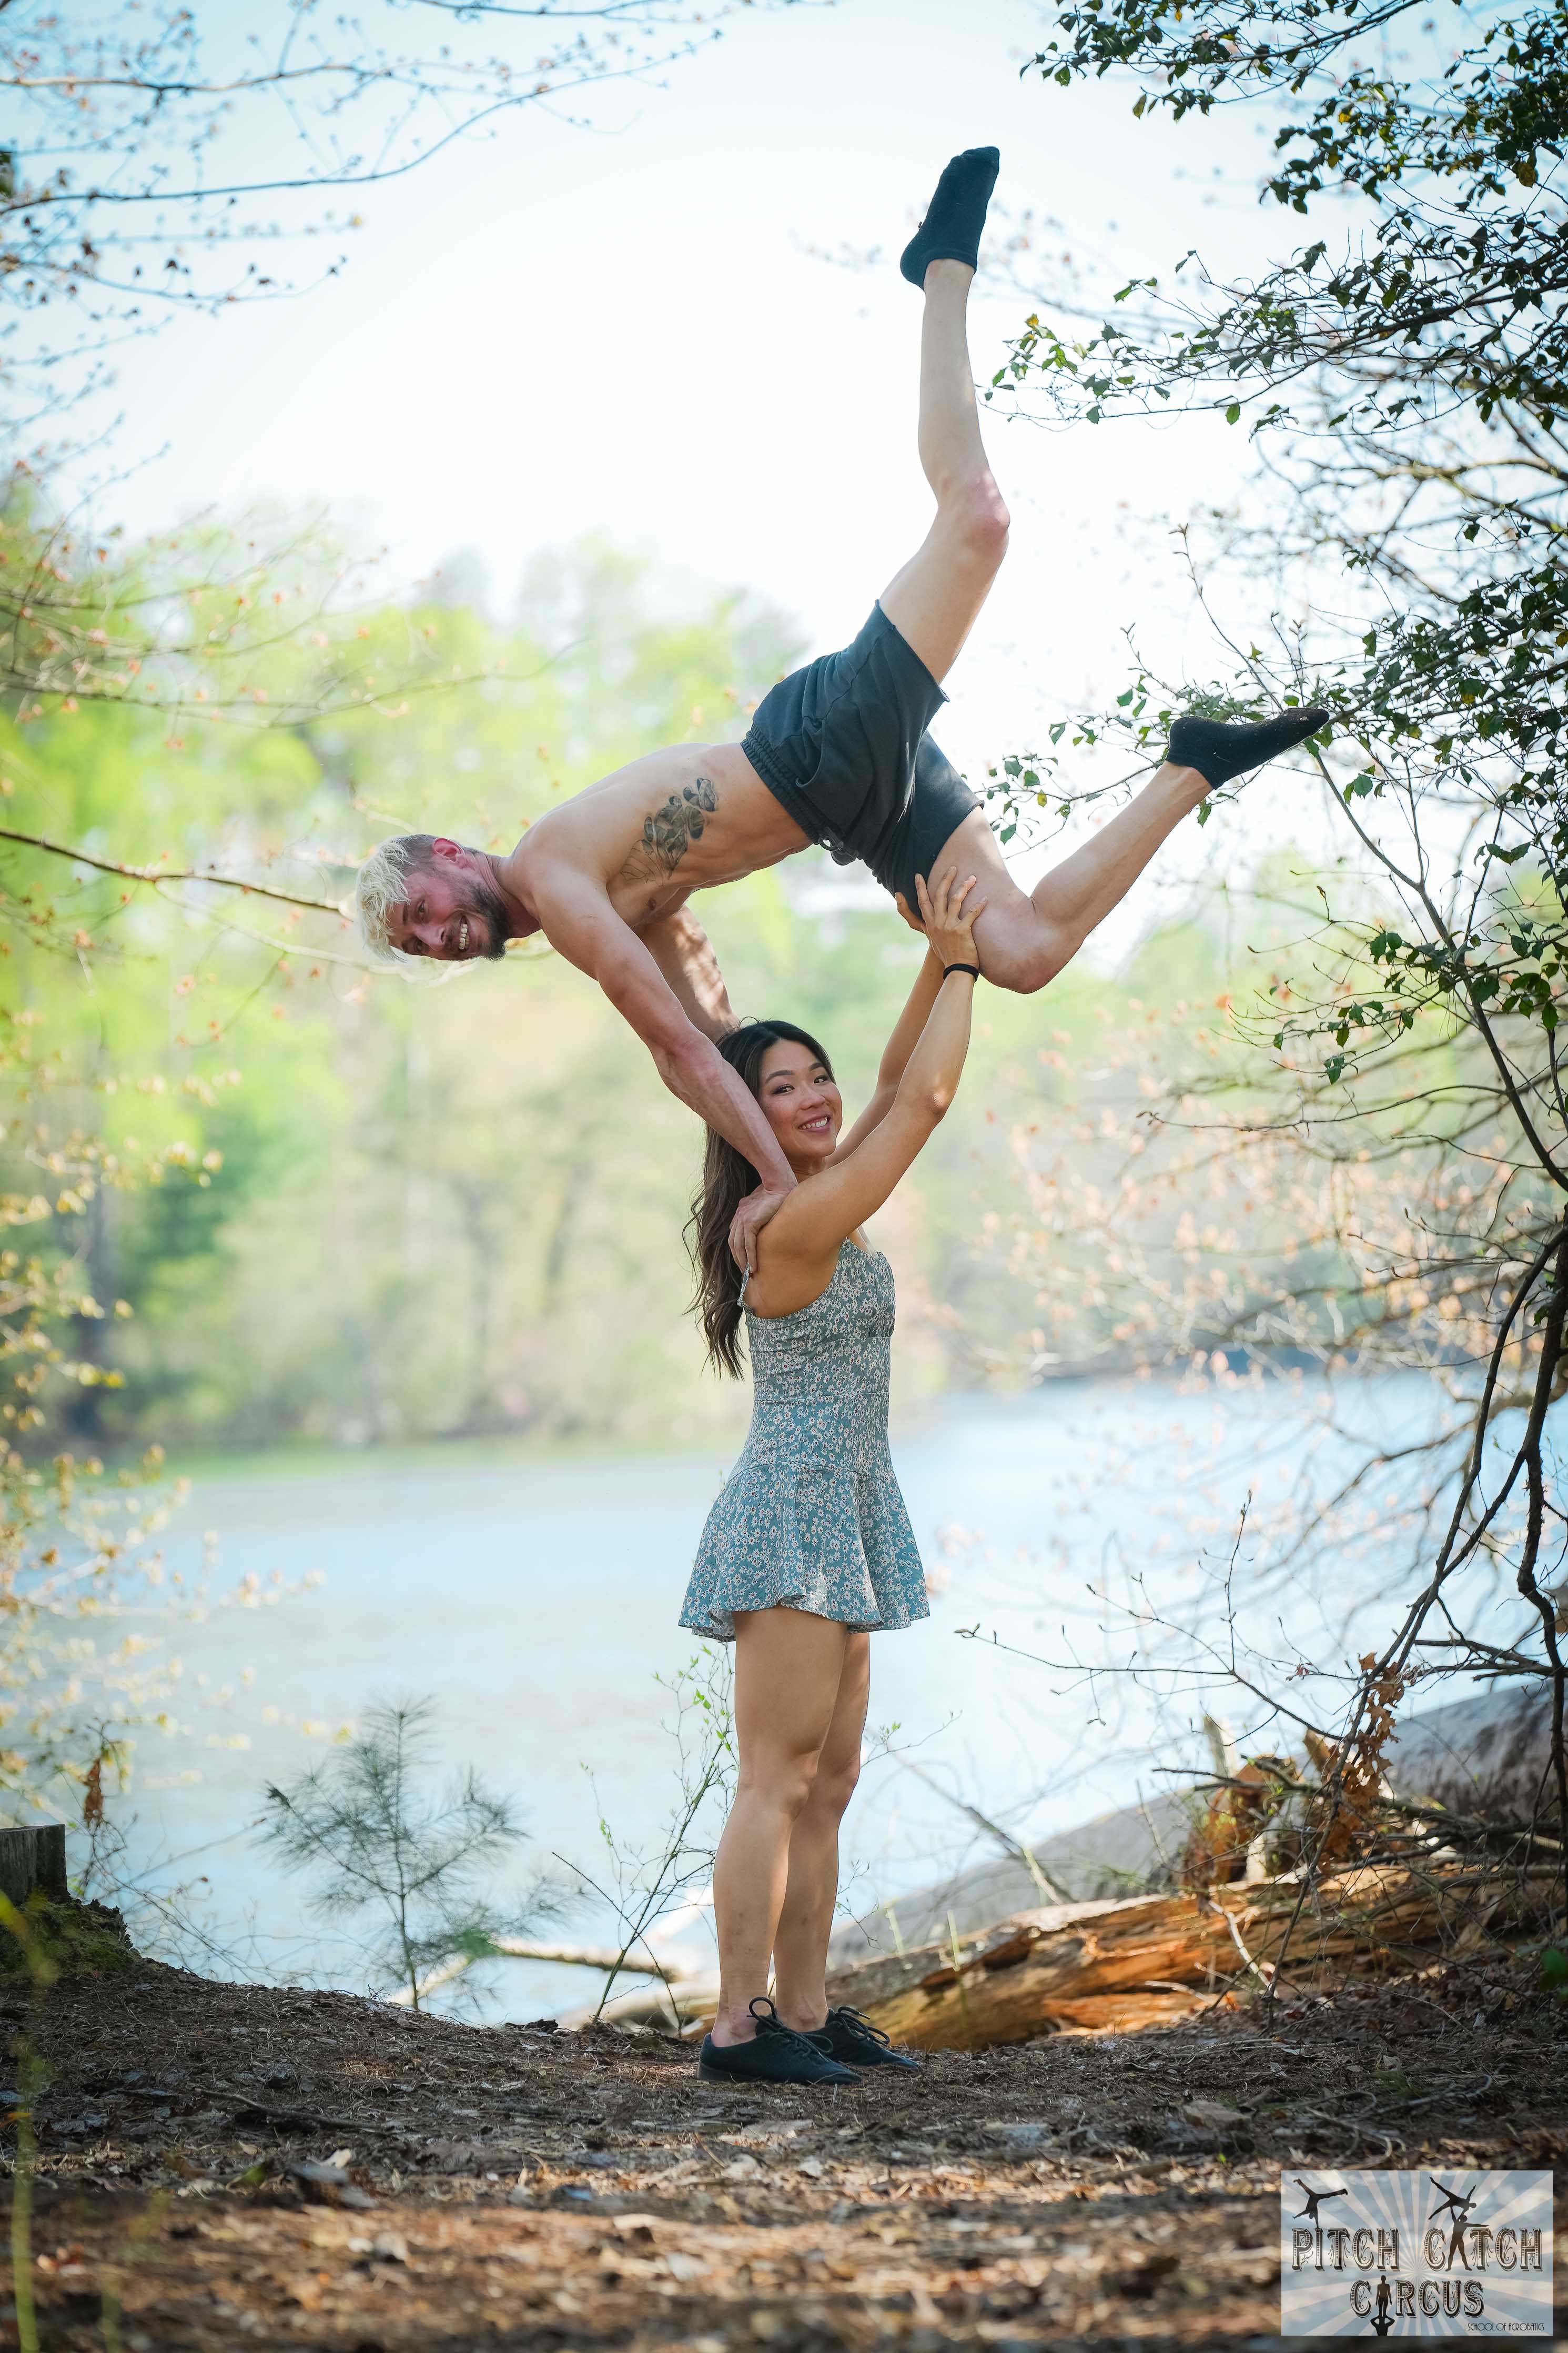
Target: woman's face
800, 1103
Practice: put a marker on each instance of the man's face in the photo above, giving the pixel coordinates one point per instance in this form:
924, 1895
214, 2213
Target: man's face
453, 910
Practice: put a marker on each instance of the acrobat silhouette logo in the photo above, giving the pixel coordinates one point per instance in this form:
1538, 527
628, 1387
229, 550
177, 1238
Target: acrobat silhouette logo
1415, 2254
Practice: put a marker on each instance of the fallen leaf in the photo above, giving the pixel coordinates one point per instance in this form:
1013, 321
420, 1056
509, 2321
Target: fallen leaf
329, 2185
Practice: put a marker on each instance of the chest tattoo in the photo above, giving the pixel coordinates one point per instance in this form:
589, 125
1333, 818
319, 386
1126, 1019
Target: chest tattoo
670, 830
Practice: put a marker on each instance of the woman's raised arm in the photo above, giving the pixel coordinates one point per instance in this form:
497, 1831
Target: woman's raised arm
821, 1215
895, 1054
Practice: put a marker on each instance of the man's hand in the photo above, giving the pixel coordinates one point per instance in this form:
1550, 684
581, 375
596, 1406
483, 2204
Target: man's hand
748, 1222
580, 922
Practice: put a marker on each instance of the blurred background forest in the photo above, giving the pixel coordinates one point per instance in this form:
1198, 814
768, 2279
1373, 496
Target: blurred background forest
398, 1212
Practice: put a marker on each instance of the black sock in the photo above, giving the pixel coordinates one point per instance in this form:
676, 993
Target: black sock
1219, 749
955, 215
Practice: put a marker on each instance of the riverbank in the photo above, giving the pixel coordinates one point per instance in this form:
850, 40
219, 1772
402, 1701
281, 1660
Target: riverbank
537, 1599
516, 2185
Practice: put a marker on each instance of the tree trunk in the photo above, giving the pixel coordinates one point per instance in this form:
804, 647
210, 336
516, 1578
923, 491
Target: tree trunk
1154, 1957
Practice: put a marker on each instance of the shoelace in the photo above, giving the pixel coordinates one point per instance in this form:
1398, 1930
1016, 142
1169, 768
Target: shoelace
860, 2024
769, 2023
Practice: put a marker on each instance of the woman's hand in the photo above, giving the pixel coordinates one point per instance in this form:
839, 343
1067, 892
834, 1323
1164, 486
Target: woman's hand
948, 917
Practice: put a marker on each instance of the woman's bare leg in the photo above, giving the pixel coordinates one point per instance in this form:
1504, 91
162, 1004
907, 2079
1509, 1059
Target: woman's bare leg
788, 1668
934, 601
805, 1922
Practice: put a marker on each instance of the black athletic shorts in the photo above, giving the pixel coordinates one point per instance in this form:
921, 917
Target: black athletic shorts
842, 743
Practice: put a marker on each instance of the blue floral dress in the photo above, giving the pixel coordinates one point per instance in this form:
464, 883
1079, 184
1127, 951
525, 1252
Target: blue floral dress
811, 1517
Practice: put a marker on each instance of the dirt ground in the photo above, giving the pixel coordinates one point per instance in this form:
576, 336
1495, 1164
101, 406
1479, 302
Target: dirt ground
520, 2186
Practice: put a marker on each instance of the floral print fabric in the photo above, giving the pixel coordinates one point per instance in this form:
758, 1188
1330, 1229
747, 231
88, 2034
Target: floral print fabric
811, 1517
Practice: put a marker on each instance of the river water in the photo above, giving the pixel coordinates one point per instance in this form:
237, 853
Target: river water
535, 1599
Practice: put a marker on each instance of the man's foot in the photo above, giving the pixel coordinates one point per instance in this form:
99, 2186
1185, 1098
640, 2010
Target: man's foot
849, 2037
1219, 749
775, 2054
955, 215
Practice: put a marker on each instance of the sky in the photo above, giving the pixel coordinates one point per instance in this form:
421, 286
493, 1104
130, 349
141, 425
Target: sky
635, 329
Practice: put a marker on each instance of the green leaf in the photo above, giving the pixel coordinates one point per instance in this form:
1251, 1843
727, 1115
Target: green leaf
1233, 414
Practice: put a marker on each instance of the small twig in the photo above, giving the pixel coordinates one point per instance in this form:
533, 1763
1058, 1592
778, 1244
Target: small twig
167, 875
1350, 2124
1256, 1966
1003, 1837
297, 2119
1470, 2092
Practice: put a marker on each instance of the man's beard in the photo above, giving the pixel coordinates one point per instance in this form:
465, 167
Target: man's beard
480, 897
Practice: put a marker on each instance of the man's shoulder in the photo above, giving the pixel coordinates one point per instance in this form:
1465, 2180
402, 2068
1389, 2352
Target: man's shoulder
552, 851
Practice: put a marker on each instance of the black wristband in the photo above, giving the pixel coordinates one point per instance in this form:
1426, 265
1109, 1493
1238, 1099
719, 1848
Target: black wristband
973, 970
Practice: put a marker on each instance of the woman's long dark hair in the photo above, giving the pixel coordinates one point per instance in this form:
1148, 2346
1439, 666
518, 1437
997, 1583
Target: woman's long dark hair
727, 1177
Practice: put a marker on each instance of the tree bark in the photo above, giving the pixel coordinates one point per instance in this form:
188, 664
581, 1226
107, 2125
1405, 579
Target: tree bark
1152, 1957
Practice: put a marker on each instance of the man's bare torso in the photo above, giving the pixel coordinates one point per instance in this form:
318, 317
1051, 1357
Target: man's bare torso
679, 820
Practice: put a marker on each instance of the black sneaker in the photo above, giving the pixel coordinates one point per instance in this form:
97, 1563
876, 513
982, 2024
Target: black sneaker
775, 2054
849, 2036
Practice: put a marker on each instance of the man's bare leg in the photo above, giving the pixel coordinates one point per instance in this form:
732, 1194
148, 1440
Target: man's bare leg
1025, 939
934, 601
1023, 942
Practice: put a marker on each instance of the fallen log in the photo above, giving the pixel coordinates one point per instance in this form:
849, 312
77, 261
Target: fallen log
1146, 1958
1487, 1755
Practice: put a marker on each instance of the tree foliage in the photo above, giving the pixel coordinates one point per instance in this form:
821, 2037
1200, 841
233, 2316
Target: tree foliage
1404, 375
87, 1605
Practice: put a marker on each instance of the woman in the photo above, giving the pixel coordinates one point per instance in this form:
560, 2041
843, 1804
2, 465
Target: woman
809, 1548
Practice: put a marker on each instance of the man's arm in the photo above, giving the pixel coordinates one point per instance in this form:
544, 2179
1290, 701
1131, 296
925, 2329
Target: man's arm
580, 925
684, 954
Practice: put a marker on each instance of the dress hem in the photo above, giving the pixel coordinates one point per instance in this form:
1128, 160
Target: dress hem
713, 1629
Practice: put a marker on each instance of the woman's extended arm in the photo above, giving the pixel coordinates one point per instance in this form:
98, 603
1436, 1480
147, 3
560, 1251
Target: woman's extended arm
799, 1246
895, 1056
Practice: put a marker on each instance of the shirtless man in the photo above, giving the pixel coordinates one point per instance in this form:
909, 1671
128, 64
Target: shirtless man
837, 754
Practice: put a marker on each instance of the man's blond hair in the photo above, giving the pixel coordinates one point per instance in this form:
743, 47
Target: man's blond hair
382, 884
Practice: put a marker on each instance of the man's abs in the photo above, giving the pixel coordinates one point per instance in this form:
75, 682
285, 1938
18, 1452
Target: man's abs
678, 821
